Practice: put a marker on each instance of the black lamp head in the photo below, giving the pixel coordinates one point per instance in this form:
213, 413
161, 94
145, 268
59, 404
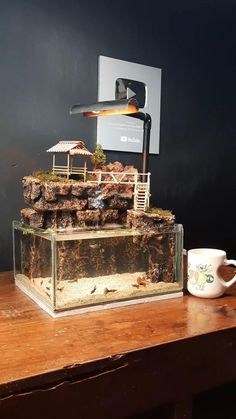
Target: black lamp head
110, 107
130, 95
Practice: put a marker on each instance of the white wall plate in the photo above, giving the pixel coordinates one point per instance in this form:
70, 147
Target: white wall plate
122, 133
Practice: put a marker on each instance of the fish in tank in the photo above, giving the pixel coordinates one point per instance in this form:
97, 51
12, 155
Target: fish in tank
96, 266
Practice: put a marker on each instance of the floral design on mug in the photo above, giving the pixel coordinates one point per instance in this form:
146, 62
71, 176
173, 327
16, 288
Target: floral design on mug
200, 275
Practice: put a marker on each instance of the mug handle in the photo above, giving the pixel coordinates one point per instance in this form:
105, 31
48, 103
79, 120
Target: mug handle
228, 284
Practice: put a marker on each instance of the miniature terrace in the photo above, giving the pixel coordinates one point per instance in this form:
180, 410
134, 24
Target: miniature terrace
77, 149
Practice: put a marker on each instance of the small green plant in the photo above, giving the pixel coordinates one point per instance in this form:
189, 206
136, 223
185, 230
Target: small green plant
98, 158
49, 177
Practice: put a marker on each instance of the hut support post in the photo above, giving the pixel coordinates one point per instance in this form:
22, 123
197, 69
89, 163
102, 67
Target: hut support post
68, 166
85, 170
53, 163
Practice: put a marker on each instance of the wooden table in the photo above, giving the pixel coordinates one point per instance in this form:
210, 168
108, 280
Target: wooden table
121, 363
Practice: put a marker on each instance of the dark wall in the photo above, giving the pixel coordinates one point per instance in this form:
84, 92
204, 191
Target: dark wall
49, 53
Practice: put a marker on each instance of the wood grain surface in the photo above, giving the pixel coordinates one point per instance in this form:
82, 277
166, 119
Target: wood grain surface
32, 344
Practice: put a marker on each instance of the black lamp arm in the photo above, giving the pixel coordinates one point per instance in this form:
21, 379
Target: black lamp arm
147, 123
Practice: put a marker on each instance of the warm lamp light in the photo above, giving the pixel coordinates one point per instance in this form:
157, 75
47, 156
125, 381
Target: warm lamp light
125, 104
110, 107
123, 111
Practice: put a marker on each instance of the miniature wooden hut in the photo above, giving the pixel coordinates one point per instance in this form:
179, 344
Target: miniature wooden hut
71, 149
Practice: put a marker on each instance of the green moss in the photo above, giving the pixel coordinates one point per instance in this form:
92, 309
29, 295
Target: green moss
49, 231
25, 230
49, 177
159, 211
30, 230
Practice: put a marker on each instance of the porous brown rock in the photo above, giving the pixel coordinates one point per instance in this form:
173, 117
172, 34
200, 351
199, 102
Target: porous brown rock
110, 190
84, 189
142, 219
31, 189
48, 219
110, 216
35, 190
88, 217
97, 217
51, 191
71, 204
120, 203
32, 218
59, 220
70, 219
75, 195
158, 241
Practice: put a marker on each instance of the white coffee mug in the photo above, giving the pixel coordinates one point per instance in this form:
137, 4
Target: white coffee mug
203, 278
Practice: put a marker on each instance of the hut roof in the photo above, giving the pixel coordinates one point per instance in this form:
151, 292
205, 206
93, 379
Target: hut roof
74, 148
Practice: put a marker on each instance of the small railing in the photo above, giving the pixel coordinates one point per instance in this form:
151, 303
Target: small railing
118, 177
141, 181
67, 171
103, 177
78, 170
59, 169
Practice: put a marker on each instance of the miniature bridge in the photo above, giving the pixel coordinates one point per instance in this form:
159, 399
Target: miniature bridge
141, 189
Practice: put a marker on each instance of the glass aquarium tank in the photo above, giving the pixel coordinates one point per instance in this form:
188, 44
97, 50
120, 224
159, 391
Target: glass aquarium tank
94, 268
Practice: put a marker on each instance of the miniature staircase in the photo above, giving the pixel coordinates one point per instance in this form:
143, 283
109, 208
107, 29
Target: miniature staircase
141, 196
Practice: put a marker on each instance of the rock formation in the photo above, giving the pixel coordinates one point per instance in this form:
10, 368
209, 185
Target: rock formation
72, 204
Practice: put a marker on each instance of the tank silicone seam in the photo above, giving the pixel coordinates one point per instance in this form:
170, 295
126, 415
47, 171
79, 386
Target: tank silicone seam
54, 270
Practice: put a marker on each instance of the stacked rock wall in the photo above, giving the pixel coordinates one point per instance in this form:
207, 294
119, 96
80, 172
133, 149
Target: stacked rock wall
70, 204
